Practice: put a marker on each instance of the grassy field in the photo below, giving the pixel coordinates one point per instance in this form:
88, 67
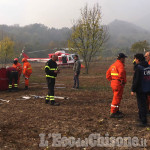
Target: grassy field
85, 112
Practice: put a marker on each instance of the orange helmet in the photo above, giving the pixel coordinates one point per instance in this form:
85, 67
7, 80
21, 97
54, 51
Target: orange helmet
24, 59
16, 59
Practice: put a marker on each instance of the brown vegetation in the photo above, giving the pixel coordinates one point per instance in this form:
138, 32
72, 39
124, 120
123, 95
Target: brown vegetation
86, 111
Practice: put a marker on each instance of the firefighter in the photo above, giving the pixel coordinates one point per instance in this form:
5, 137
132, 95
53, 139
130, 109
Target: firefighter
147, 57
18, 66
51, 71
27, 71
140, 86
12, 75
117, 75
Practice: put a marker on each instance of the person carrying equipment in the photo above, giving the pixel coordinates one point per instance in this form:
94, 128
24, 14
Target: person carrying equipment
12, 75
117, 75
27, 71
76, 69
18, 67
51, 71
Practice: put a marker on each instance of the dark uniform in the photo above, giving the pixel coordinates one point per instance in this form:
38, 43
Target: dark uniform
12, 75
139, 87
50, 67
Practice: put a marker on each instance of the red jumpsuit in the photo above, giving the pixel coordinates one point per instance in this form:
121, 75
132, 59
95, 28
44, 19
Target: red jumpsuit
19, 69
117, 75
27, 71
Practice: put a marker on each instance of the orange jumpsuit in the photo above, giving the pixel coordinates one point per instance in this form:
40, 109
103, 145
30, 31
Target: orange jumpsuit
27, 71
117, 75
148, 97
19, 69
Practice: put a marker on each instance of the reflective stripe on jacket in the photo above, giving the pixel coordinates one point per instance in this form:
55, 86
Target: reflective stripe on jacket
50, 67
116, 72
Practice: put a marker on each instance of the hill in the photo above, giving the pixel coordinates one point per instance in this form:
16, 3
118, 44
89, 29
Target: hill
124, 34
36, 37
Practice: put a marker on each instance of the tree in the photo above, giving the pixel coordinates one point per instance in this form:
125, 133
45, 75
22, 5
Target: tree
6, 50
88, 35
140, 47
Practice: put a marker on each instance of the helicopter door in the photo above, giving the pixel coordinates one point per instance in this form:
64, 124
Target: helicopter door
64, 59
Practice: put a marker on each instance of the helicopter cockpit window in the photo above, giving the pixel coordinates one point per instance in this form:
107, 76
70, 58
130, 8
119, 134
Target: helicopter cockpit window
69, 58
64, 59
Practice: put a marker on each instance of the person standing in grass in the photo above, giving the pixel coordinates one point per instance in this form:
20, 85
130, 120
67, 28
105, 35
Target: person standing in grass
76, 69
51, 71
27, 71
18, 66
117, 75
140, 86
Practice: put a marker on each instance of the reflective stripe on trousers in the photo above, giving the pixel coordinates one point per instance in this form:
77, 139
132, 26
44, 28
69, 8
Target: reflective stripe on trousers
50, 76
114, 106
47, 97
51, 98
10, 86
15, 85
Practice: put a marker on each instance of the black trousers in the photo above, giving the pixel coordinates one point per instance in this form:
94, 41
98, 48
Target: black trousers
142, 106
76, 80
51, 85
13, 77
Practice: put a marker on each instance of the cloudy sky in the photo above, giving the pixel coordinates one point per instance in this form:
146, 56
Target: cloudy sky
61, 13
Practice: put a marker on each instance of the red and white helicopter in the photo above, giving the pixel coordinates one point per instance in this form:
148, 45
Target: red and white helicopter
63, 58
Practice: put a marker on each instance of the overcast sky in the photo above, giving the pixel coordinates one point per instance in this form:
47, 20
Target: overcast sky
61, 13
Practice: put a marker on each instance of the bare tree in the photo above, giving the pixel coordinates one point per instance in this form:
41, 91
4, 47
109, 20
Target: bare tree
88, 34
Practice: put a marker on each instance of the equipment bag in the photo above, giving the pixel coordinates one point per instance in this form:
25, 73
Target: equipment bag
3, 79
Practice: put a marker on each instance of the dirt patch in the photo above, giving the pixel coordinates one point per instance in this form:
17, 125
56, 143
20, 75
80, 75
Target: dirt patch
85, 112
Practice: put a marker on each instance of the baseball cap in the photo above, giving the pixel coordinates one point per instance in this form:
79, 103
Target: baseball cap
121, 55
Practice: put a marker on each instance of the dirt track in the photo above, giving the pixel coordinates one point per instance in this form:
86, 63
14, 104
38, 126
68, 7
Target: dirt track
86, 111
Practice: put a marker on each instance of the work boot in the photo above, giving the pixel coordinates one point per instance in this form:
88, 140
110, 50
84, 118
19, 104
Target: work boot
46, 101
119, 112
148, 113
116, 115
141, 124
15, 89
73, 87
9, 90
26, 88
53, 103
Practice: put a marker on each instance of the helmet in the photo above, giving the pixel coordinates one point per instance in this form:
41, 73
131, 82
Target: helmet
24, 59
16, 59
